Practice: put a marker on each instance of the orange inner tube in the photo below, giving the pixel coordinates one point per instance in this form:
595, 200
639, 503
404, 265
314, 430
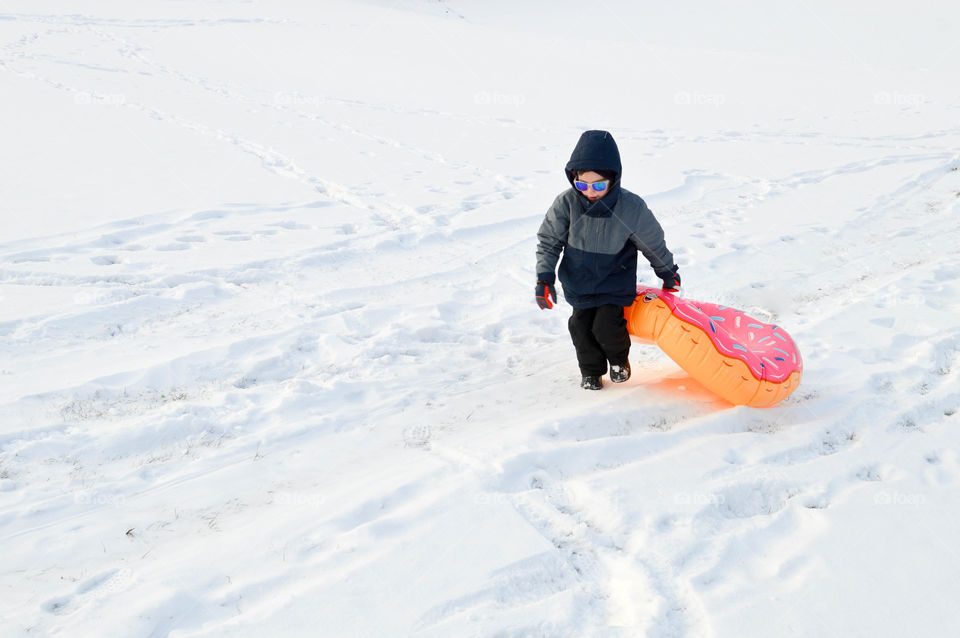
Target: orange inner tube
689, 345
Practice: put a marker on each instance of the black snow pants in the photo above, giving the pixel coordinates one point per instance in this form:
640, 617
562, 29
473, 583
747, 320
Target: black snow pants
599, 335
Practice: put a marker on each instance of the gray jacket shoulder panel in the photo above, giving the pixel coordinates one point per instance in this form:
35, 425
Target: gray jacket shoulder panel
648, 236
552, 236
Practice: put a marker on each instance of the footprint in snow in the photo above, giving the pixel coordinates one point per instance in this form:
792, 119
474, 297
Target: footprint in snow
943, 467
208, 214
755, 499
109, 582
876, 472
291, 225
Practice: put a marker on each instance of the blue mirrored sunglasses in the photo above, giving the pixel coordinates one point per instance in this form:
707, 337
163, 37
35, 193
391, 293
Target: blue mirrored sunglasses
597, 186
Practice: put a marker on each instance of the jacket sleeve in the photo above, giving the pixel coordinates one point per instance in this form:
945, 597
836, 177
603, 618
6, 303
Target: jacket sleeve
552, 237
649, 239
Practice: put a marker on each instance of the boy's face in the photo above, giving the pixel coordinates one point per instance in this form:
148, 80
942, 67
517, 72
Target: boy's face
591, 177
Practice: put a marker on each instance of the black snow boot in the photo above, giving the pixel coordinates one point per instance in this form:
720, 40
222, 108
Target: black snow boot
620, 373
591, 382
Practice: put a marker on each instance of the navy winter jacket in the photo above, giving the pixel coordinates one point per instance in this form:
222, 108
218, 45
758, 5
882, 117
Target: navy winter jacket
599, 240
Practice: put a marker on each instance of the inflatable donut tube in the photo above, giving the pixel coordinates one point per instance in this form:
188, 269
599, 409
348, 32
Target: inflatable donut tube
745, 361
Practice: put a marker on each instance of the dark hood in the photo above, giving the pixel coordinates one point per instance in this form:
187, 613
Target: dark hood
596, 151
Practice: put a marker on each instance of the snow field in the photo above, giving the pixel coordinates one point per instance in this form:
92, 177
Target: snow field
271, 365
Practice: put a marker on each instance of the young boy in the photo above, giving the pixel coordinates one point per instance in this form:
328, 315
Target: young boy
599, 227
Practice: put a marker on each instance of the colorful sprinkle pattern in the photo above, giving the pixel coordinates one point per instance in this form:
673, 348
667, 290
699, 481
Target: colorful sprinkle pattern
766, 349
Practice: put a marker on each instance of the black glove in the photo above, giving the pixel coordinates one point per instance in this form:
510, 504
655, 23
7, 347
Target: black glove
545, 291
671, 280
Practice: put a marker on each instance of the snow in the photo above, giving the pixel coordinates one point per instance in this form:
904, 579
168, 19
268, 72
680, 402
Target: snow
271, 363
